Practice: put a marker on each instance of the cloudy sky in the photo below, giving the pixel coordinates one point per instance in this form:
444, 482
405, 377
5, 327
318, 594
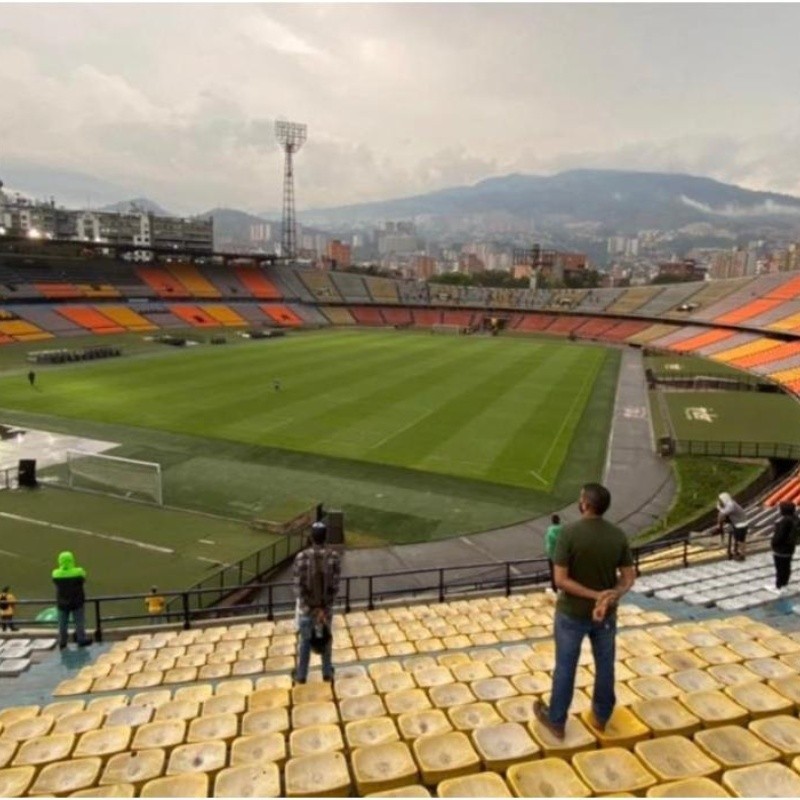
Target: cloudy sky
178, 102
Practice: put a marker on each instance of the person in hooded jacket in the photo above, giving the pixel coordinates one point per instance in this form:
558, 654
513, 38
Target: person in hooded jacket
784, 542
70, 599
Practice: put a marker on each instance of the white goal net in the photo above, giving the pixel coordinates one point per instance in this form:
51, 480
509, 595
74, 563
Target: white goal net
124, 477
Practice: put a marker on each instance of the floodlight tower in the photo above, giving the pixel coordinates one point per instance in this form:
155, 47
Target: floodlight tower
290, 136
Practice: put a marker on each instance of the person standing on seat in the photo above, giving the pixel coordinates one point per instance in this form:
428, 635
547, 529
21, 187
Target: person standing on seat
732, 513
593, 568
317, 572
784, 542
69, 579
7, 607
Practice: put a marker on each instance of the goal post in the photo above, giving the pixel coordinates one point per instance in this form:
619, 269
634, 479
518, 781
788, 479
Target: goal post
123, 477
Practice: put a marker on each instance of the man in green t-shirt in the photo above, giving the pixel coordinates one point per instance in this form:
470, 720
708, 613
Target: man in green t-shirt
550, 539
593, 568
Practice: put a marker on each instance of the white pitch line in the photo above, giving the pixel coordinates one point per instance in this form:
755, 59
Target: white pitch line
107, 536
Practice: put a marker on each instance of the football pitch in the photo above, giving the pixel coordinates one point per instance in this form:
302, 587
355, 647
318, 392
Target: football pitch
414, 436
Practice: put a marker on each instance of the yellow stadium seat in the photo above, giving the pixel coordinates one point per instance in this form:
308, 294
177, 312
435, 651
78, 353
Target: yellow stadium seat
471, 671
267, 720
315, 739
612, 769
145, 680
279, 698
154, 698
759, 700
249, 780
365, 707
714, 708
63, 777
577, 738
188, 785
383, 767
207, 757
732, 674
473, 715
653, 688
113, 790
445, 755
624, 728
718, 654
9, 716
14, 782
486, 784
492, 689
769, 668
695, 680
323, 775
306, 714
733, 747
106, 705
682, 660
72, 686
532, 683
370, 732
781, 732
44, 750
451, 694
103, 742
423, 723
406, 701
211, 672
674, 758
394, 682
7, 750
243, 686
79, 722
258, 748
177, 710
762, 780
666, 717
788, 687
224, 704
131, 716
548, 777
62, 708
500, 746
31, 728
692, 787
134, 768
414, 790
166, 734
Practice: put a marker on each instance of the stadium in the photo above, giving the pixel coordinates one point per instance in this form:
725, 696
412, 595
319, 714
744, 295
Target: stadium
188, 419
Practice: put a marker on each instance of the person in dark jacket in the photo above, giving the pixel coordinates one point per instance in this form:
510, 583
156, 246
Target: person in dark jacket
69, 579
784, 541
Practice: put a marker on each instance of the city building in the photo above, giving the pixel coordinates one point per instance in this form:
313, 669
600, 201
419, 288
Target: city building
339, 254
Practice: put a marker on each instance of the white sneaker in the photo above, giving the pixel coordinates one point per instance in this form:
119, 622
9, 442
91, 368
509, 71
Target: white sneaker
772, 589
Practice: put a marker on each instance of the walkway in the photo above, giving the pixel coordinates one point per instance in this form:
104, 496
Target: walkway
641, 484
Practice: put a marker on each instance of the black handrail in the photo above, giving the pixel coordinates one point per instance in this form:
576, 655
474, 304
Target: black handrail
274, 599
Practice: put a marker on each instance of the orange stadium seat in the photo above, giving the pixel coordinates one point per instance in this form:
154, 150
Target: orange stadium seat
165, 284
194, 315
58, 291
566, 324
461, 318
536, 322
90, 318
257, 283
622, 330
18, 330
189, 276
397, 316
748, 311
788, 291
701, 340
427, 317
224, 315
595, 327
778, 353
282, 315
367, 315
128, 318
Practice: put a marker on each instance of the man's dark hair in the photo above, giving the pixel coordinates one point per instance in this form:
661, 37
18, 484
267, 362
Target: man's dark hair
555, 519
597, 497
319, 533
787, 508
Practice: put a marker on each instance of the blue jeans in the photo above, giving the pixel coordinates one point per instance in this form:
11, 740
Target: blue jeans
78, 617
569, 633
304, 651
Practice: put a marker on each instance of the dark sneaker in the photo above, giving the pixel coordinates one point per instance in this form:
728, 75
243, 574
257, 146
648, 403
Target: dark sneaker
542, 713
84, 642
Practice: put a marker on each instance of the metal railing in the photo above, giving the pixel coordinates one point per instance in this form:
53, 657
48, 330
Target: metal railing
438, 584
696, 447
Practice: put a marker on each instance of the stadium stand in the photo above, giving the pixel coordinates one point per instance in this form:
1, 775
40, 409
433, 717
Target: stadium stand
758, 345
624, 330
47, 319
595, 328
319, 284
97, 291
367, 315
700, 340
397, 316
224, 315
194, 315
351, 287
337, 315
425, 318
198, 285
288, 284
633, 299
90, 318
283, 315
536, 322
256, 283
163, 282
463, 319
18, 330
127, 318
381, 290
566, 324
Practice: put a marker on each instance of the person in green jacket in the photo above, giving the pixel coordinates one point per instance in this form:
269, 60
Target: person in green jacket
550, 539
69, 578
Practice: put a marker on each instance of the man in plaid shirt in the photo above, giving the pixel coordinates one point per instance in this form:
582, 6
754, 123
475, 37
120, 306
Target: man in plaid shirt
317, 571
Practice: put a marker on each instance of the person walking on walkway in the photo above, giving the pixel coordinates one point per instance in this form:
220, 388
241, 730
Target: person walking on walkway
7, 607
784, 542
593, 568
732, 513
317, 573
550, 539
32, 378
69, 579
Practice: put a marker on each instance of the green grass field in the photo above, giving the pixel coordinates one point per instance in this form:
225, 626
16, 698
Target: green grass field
125, 547
734, 416
414, 436
676, 366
